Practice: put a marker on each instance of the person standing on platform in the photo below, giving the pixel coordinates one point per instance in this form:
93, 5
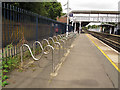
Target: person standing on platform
56, 31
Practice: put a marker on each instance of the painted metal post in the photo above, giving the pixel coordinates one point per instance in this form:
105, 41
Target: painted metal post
72, 26
1, 23
110, 30
5, 28
103, 29
51, 30
80, 27
118, 31
18, 22
75, 28
98, 18
1, 43
67, 18
36, 27
89, 17
8, 18
72, 23
13, 25
116, 18
11, 54
22, 19
15, 8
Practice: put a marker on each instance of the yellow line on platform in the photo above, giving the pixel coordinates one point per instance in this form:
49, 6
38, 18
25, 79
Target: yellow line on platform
104, 54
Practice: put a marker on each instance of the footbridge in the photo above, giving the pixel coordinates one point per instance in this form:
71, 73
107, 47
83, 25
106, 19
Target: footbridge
94, 16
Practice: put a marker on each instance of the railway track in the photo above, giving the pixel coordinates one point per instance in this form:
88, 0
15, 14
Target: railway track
111, 40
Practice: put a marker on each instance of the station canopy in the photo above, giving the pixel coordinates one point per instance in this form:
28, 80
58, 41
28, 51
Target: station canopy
94, 12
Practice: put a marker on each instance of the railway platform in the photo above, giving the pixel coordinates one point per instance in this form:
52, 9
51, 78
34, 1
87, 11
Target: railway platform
89, 63
88, 66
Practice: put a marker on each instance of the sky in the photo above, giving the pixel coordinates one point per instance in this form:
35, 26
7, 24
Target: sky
105, 5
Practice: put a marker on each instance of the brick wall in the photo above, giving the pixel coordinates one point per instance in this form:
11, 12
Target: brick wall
62, 19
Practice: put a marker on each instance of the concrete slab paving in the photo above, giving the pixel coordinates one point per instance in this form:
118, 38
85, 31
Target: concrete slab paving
83, 68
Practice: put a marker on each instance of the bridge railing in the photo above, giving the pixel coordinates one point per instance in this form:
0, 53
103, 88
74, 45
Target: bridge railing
97, 18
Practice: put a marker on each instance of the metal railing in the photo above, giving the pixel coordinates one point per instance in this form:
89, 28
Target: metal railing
17, 22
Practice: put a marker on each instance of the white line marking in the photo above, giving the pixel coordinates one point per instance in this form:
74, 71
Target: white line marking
109, 47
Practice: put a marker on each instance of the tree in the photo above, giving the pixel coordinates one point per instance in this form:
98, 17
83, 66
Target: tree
89, 26
53, 9
47, 9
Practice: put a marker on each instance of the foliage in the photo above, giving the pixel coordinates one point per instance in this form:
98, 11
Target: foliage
47, 9
54, 9
62, 14
89, 26
84, 28
8, 64
4, 83
92, 26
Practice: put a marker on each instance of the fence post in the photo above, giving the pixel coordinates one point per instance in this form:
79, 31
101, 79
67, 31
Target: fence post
36, 27
10, 50
4, 15
51, 29
0, 40
8, 34
13, 24
18, 11
0, 27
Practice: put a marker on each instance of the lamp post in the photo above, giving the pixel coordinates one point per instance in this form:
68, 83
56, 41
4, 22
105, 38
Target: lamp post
67, 17
67, 27
74, 20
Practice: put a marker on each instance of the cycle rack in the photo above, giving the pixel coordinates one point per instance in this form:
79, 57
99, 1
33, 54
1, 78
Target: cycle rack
70, 39
39, 45
62, 39
71, 36
60, 36
63, 45
53, 66
55, 38
45, 40
50, 38
36, 59
57, 43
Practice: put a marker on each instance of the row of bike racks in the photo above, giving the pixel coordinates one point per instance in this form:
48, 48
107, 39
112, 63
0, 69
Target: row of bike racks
56, 40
